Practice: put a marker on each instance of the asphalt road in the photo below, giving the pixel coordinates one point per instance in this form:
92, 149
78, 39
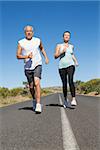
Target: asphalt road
22, 129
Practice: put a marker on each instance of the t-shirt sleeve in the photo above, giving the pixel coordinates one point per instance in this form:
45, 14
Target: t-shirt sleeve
19, 42
39, 41
72, 49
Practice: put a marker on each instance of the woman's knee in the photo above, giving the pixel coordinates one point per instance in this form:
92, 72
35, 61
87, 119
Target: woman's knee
71, 80
64, 84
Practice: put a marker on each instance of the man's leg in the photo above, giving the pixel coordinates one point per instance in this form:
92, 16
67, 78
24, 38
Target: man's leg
32, 89
37, 77
37, 89
37, 92
29, 74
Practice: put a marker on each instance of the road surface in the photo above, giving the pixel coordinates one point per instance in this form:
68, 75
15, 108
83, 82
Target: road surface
55, 128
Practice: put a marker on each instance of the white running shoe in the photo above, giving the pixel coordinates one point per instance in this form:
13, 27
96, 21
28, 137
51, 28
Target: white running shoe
38, 108
67, 104
73, 102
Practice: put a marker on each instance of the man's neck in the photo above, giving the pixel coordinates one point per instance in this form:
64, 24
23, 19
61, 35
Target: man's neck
29, 39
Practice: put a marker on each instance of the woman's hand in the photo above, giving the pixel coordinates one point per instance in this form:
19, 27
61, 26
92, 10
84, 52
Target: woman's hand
76, 64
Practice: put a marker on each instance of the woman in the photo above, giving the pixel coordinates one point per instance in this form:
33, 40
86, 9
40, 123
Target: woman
67, 65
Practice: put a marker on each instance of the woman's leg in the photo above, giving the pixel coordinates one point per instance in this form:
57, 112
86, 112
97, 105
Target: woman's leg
70, 71
63, 75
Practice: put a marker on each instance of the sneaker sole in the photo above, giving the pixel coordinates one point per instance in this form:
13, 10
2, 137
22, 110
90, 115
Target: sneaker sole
73, 105
38, 112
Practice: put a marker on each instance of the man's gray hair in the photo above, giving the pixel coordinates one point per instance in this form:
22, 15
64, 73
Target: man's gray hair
25, 28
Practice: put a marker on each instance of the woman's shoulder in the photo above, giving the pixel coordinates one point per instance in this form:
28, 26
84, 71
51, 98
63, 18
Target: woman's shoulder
71, 45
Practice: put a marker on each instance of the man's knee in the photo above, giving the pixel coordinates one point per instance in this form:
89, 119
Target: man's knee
37, 81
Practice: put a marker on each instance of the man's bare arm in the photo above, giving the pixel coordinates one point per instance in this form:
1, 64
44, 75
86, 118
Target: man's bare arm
44, 53
19, 53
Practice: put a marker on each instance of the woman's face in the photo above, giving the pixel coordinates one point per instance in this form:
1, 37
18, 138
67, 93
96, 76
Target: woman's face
66, 36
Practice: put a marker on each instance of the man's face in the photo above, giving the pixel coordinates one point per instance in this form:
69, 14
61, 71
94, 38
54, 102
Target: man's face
66, 36
29, 33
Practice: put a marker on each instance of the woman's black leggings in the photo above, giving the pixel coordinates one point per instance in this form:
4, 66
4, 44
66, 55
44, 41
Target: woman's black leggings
63, 74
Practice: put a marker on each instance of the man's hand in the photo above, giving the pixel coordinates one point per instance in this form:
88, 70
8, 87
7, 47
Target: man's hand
46, 60
30, 55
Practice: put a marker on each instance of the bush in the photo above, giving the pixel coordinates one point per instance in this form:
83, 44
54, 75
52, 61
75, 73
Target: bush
89, 86
4, 92
45, 91
15, 91
24, 92
97, 89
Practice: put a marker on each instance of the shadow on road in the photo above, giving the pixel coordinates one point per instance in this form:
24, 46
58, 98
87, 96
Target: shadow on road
26, 108
51, 105
58, 105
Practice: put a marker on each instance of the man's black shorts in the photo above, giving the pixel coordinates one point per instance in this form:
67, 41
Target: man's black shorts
30, 74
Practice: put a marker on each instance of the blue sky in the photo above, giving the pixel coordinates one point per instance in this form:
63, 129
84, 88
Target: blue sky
50, 20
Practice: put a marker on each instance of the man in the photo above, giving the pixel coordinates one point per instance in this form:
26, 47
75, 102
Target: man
28, 49
67, 63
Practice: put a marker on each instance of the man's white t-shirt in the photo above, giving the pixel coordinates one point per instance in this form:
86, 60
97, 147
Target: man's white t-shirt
29, 46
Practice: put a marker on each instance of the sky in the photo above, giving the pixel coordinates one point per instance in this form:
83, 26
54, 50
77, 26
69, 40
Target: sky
50, 20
